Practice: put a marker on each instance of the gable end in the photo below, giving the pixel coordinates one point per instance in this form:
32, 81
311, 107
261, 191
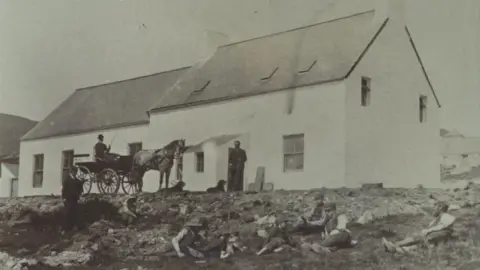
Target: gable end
422, 66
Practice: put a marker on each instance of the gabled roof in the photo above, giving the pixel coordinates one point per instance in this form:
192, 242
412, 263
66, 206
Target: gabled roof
315, 54
309, 55
106, 106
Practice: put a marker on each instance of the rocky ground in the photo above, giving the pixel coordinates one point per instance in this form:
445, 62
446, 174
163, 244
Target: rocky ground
30, 230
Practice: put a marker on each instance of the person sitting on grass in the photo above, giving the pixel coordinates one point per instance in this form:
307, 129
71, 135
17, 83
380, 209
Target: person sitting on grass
440, 229
277, 237
335, 230
187, 240
128, 211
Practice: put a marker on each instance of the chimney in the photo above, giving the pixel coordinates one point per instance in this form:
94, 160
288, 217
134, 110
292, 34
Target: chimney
392, 9
209, 42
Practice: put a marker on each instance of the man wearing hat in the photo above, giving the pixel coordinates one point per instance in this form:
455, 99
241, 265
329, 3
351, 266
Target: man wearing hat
277, 237
441, 228
189, 240
101, 150
72, 189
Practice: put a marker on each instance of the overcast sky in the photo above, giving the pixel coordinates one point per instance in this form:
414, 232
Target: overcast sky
48, 48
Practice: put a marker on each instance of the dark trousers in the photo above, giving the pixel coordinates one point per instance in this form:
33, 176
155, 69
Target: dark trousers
236, 178
72, 218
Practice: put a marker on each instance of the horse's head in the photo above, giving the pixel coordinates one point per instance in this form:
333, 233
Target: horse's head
179, 148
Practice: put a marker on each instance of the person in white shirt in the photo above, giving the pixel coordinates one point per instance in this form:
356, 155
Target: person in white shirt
335, 230
440, 229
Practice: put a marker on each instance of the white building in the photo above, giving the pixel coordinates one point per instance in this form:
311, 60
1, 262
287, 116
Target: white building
9, 177
334, 104
116, 110
338, 103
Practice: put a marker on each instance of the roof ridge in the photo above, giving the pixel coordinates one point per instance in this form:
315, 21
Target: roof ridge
132, 79
298, 28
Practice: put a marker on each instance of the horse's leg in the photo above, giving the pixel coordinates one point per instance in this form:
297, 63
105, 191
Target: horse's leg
140, 180
167, 177
160, 181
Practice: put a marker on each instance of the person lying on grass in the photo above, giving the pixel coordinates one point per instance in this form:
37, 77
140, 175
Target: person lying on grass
440, 229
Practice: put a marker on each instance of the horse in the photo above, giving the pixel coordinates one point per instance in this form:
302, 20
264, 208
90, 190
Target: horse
161, 160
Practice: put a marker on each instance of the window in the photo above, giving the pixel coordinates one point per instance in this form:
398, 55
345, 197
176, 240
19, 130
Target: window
134, 148
423, 109
38, 171
67, 163
199, 162
366, 91
293, 150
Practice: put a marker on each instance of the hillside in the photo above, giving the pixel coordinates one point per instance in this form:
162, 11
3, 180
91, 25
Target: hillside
29, 230
12, 128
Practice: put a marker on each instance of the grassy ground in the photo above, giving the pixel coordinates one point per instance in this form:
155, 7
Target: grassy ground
399, 213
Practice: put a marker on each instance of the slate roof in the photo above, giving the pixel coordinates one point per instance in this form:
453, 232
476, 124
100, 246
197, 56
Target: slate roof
12, 128
330, 49
315, 54
112, 105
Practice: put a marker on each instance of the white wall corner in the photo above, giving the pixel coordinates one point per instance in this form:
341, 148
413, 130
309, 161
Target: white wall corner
209, 41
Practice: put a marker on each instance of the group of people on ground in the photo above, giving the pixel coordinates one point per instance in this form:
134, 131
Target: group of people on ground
325, 221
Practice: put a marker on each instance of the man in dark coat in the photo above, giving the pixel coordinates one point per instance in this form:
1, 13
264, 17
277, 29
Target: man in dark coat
236, 161
101, 149
72, 188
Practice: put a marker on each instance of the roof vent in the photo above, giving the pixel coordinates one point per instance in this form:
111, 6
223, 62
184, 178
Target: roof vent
197, 91
270, 76
309, 68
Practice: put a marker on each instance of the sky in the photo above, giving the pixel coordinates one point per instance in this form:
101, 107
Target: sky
49, 48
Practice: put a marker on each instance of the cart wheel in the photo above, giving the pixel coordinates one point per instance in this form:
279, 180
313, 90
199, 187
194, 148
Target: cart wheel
129, 185
108, 181
86, 176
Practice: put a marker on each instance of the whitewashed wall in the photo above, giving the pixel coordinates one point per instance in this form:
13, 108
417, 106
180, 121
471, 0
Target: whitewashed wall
318, 112
5, 180
82, 144
385, 141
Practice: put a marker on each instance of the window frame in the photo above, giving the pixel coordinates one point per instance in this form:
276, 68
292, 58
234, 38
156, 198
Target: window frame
422, 108
38, 172
131, 146
200, 161
296, 153
366, 91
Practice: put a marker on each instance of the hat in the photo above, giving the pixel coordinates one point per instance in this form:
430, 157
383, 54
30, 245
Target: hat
196, 222
100, 136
